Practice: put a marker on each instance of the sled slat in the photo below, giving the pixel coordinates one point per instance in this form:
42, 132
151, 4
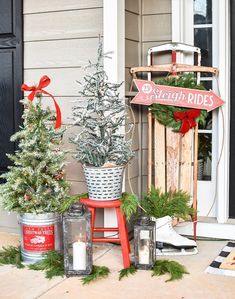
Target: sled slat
172, 156
186, 161
159, 156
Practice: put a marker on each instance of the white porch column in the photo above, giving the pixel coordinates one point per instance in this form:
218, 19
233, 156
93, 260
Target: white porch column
114, 41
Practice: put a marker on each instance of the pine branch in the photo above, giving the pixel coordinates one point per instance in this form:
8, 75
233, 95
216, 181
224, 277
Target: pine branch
175, 269
127, 271
11, 256
70, 201
129, 204
171, 203
97, 273
53, 264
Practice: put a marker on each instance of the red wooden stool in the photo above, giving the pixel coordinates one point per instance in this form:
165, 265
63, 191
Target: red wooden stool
121, 229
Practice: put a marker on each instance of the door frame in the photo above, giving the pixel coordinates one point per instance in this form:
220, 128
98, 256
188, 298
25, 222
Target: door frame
182, 21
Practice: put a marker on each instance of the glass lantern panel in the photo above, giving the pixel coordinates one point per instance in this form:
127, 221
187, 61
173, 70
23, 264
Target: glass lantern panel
76, 244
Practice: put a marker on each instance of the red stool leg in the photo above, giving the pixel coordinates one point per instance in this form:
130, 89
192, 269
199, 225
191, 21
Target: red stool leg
93, 216
123, 238
127, 237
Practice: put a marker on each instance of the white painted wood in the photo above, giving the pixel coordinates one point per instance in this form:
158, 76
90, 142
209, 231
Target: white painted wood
156, 6
63, 81
132, 26
60, 53
223, 119
32, 6
63, 25
182, 21
114, 41
156, 27
209, 230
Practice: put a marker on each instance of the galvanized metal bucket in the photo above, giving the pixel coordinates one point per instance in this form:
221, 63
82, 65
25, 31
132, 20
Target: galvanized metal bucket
104, 183
39, 233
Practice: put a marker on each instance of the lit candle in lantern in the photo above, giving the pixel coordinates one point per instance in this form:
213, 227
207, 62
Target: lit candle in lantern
79, 255
144, 255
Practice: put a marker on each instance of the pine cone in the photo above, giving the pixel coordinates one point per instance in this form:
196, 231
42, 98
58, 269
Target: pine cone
27, 197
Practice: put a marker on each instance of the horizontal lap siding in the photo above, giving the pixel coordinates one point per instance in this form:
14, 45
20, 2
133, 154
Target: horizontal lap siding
156, 30
59, 39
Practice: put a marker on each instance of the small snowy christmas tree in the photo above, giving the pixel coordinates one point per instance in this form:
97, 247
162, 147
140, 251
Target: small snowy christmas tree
99, 141
35, 182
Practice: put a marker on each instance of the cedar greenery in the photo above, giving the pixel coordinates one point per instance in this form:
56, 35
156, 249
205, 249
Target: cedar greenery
126, 272
129, 204
171, 203
164, 113
11, 256
53, 264
97, 273
175, 269
71, 200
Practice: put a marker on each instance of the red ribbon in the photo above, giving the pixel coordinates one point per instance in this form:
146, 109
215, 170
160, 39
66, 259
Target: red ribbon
187, 118
44, 82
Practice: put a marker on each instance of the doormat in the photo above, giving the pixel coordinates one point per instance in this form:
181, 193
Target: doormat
214, 267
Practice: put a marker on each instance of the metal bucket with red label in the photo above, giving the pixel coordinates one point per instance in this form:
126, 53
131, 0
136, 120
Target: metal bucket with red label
40, 233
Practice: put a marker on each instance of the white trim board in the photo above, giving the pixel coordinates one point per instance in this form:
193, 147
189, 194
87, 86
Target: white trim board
209, 230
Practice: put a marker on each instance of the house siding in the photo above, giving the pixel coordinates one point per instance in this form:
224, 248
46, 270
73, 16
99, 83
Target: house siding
59, 39
132, 58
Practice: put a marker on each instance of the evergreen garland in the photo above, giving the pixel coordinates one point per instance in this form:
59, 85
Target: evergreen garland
52, 263
164, 113
97, 273
35, 181
129, 204
175, 269
11, 256
126, 272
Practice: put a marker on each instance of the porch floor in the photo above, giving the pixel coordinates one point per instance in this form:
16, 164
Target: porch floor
27, 284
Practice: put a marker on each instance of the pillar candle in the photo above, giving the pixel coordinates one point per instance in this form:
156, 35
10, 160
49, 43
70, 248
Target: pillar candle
79, 255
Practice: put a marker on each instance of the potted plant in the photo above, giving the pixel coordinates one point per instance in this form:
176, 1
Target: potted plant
34, 185
101, 147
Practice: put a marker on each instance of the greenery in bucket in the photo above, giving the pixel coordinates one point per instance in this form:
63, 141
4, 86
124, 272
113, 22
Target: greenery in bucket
100, 120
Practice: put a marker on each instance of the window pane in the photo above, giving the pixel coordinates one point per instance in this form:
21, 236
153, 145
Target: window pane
204, 157
203, 40
202, 12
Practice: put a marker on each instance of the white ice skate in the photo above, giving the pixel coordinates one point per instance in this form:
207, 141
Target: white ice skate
168, 242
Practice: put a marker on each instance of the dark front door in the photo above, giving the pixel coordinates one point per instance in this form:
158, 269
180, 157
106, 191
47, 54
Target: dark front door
11, 73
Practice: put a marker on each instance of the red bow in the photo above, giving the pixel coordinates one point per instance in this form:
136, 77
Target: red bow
187, 118
44, 82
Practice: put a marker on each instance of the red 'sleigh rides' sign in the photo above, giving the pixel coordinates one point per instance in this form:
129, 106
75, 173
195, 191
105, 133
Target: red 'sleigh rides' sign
150, 93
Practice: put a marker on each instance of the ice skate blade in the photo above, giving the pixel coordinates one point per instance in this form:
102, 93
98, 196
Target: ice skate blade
175, 251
